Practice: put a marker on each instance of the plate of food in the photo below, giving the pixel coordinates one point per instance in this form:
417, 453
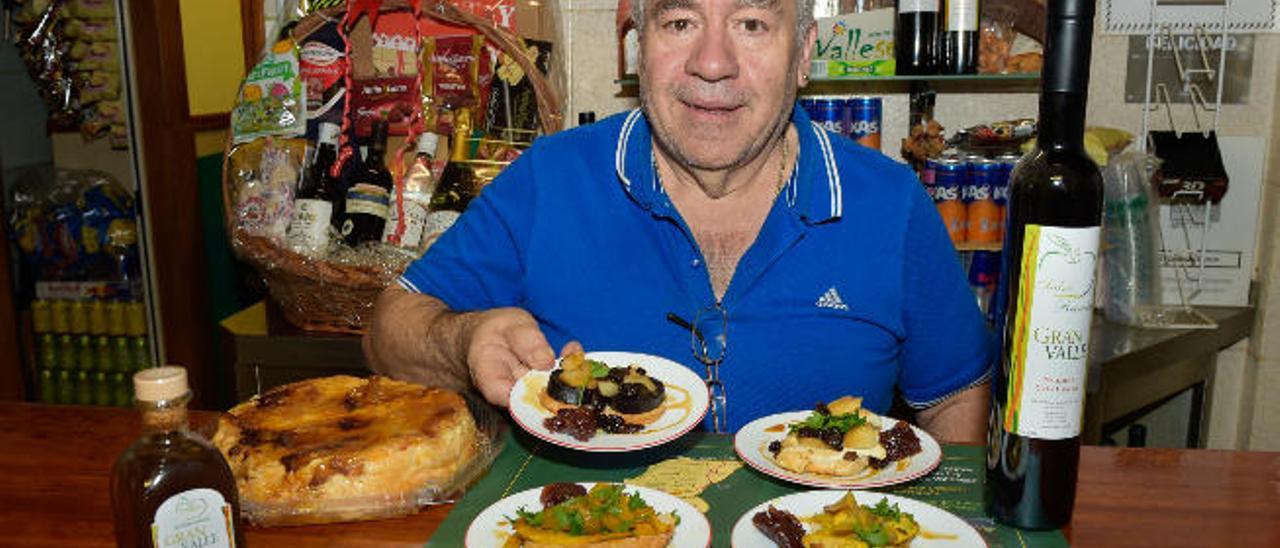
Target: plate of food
609, 401
589, 515
838, 445
850, 518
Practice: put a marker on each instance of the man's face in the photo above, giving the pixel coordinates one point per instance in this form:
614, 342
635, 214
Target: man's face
718, 77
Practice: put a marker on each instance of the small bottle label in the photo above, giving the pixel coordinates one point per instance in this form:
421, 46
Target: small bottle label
912, 6
309, 228
437, 222
368, 199
195, 518
962, 15
415, 218
1051, 332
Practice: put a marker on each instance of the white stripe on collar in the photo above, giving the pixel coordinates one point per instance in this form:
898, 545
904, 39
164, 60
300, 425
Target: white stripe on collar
620, 154
833, 173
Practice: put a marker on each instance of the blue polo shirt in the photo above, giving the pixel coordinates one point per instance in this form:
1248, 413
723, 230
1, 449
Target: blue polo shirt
851, 287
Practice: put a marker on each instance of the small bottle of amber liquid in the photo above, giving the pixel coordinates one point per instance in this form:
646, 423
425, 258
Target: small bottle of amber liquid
172, 487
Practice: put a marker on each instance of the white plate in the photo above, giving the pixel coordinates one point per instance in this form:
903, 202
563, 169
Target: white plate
686, 404
942, 527
752, 445
490, 528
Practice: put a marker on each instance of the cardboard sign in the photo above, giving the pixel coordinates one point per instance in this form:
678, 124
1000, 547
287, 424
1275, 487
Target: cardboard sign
855, 44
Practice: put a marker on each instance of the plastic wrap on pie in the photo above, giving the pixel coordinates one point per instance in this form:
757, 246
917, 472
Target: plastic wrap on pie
345, 449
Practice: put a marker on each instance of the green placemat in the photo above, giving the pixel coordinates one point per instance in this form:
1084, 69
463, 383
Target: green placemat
527, 462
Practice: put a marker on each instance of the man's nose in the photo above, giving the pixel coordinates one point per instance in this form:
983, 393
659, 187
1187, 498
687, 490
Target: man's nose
714, 57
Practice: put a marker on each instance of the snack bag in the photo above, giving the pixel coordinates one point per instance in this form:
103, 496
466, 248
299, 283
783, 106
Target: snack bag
384, 81
93, 9
322, 62
100, 86
271, 99
459, 75
95, 56
91, 30
513, 103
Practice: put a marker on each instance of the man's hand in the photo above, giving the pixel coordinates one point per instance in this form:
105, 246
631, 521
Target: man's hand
961, 418
505, 343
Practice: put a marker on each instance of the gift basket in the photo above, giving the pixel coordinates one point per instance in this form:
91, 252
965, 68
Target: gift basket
363, 133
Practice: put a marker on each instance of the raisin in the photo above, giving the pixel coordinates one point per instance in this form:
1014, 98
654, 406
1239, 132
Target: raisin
775, 447
556, 493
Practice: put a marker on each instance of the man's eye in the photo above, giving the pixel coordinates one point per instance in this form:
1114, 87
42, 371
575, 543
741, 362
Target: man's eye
754, 25
678, 25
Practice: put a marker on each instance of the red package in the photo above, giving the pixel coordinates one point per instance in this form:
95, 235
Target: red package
385, 81
501, 12
461, 70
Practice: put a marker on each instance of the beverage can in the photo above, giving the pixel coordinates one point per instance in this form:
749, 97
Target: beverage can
832, 113
864, 120
1001, 191
60, 316
984, 223
949, 177
928, 177
41, 316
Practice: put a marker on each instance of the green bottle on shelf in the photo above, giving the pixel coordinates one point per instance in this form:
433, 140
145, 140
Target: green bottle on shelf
48, 386
66, 388
102, 389
121, 390
66, 352
48, 353
84, 353
103, 354
84, 388
123, 355
141, 352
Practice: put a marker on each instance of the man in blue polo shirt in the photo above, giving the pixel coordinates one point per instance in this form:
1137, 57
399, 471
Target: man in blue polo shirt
809, 267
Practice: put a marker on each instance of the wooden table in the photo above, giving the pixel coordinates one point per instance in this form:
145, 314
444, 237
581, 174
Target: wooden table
55, 464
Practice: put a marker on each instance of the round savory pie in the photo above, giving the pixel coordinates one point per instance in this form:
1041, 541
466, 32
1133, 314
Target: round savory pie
321, 450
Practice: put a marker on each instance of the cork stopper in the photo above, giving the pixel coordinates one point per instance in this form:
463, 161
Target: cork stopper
160, 383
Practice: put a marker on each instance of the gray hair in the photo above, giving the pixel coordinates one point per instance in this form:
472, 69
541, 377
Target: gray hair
804, 18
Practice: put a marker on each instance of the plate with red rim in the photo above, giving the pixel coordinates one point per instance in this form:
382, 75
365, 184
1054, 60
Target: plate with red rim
938, 527
491, 528
687, 401
751, 443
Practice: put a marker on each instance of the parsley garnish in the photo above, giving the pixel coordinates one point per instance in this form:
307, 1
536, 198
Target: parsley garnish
598, 369
635, 502
887, 511
874, 535
818, 421
532, 518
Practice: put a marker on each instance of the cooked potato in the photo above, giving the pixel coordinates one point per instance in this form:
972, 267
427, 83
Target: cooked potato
845, 405
861, 437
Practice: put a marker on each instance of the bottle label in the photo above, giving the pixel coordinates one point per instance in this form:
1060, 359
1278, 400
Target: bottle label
309, 228
439, 221
368, 199
1054, 312
196, 517
415, 218
912, 6
962, 16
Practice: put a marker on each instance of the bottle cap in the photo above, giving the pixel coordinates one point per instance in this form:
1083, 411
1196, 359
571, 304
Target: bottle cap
427, 143
329, 133
160, 383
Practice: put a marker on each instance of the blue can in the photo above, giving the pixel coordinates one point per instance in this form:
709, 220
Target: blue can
984, 273
948, 185
1000, 190
864, 120
832, 113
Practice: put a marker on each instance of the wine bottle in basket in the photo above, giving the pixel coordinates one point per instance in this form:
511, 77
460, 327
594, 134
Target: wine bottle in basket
1045, 299
314, 209
369, 198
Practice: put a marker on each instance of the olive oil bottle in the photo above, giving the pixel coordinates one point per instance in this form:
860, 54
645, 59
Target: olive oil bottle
172, 487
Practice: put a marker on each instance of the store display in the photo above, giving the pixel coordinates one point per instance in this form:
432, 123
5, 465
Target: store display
171, 487
1045, 301
916, 43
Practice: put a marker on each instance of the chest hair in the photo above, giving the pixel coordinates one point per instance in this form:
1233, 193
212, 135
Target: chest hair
722, 250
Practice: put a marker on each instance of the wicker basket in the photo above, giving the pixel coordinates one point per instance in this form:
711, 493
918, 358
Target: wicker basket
318, 295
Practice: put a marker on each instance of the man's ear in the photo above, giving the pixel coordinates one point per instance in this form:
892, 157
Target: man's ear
806, 55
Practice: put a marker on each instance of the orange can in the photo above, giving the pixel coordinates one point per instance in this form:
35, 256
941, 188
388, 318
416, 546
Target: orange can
948, 195
985, 221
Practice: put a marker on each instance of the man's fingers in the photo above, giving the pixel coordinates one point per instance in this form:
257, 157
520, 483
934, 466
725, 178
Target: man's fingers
528, 343
571, 347
495, 369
